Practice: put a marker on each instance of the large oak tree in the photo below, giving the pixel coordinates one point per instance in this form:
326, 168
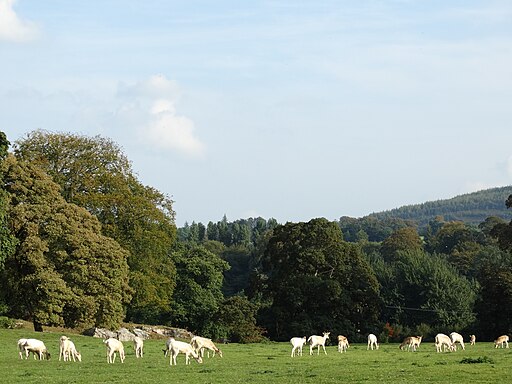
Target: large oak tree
94, 173
63, 271
317, 282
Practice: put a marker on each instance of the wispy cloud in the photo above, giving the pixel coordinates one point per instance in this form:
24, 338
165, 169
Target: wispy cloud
12, 28
157, 86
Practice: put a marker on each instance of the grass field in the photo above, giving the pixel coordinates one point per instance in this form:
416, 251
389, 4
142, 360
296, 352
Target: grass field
255, 363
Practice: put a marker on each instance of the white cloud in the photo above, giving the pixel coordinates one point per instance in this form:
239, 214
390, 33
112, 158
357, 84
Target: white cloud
12, 28
157, 86
163, 106
170, 131
152, 104
144, 113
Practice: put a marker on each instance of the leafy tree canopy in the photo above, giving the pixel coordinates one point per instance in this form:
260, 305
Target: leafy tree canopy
316, 281
404, 239
238, 316
441, 297
452, 235
503, 232
7, 241
370, 228
94, 173
198, 293
4, 145
494, 306
63, 270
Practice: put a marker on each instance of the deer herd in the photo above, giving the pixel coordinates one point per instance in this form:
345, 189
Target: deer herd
173, 348
443, 343
199, 345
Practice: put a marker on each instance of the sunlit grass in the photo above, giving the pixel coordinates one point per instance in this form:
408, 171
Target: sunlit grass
255, 363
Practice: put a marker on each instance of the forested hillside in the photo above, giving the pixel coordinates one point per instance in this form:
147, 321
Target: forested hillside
471, 208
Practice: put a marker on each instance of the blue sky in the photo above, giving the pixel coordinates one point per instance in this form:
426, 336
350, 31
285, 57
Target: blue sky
284, 109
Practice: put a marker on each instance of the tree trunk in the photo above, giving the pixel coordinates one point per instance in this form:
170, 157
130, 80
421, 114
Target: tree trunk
38, 327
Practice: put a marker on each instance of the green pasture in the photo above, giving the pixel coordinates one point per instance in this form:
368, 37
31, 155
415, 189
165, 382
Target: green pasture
255, 363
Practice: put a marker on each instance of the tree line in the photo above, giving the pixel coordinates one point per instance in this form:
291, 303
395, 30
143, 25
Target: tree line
84, 243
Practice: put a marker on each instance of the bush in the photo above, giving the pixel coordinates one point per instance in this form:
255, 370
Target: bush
7, 323
424, 330
479, 360
393, 333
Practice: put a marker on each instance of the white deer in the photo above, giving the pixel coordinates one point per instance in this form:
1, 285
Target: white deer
318, 341
297, 344
457, 338
372, 341
443, 342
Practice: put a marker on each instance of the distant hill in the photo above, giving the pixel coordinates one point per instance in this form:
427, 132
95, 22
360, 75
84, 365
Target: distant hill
471, 208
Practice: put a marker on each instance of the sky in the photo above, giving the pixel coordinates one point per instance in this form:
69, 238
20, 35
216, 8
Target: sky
282, 109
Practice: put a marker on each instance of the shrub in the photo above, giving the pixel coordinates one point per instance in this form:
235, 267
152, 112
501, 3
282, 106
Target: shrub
6, 322
424, 330
479, 360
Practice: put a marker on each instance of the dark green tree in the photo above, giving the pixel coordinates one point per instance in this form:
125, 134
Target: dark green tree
427, 289
237, 315
212, 231
488, 224
460, 242
404, 239
494, 306
260, 228
503, 232
237, 277
225, 235
376, 229
198, 293
7, 241
64, 271
451, 235
193, 233
214, 246
495, 276
317, 282
241, 233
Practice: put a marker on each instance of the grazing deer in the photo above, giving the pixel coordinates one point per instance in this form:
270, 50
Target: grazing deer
500, 341
342, 344
411, 342
372, 341
443, 342
297, 344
